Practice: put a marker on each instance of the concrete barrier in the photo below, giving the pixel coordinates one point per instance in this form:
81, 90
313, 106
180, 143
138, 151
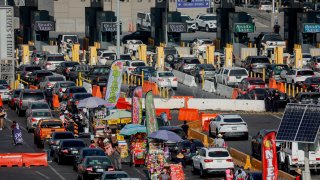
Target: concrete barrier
50, 49
209, 86
164, 103
315, 51
194, 134
183, 51
245, 52
224, 91
179, 75
227, 104
185, 79
87, 86
239, 158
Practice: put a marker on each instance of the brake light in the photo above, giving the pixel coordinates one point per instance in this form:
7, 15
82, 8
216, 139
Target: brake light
89, 169
65, 151
33, 120
175, 79
294, 159
130, 69
48, 64
20, 103
229, 160
49, 84
60, 90
183, 150
208, 160
160, 79
317, 159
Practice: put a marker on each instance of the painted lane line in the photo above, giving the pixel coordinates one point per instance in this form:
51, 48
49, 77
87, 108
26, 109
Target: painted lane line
56, 172
42, 175
143, 175
277, 117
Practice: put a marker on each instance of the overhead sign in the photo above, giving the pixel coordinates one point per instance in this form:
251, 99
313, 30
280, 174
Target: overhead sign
44, 26
19, 2
311, 28
243, 28
177, 27
6, 33
109, 27
193, 4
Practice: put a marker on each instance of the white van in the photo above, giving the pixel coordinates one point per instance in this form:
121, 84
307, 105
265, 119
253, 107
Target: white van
143, 20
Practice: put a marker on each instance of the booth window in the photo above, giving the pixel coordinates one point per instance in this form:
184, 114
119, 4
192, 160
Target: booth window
42, 36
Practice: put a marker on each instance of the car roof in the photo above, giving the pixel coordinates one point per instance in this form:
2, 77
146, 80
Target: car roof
115, 172
41, 110
32, 90
76, 87
230, 115
60, 82
53, 55
217, 149
38, 102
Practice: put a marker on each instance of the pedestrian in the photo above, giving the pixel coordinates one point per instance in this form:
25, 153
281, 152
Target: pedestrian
267, 100
2, 117
180, 159
298, 174
193, 147
185, 128
107, 147
219, 141
229, 174
16, 133
49, 96
116, 156
240, 175
164, 118
275, 100
47, 149
276, 28
164, 175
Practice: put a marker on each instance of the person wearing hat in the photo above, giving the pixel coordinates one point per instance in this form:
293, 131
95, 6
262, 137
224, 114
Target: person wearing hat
219, 141
180, 159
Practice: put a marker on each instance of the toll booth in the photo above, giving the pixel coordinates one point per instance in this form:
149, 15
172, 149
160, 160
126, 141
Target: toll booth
41, 26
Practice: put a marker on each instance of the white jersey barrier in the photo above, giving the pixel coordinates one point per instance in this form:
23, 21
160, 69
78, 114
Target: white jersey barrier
185, 79
224, 91
209, 86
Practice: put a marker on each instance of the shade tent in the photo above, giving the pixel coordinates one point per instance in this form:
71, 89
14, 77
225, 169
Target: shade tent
91, 102
165, 136
131, 129
118, 115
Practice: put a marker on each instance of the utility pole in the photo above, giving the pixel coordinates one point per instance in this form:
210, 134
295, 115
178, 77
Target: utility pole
166, 25
118, 29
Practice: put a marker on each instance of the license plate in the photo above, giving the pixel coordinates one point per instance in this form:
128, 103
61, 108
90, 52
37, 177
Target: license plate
238, 77
234, 128
74, 152
219, 161
99, 170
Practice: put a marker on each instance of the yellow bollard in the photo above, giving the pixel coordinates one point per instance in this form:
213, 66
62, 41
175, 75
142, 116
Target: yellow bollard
285, 87
77, 82
297, 89
293, 91
289, 90
142, 78
167, 91
80, 79
139, 80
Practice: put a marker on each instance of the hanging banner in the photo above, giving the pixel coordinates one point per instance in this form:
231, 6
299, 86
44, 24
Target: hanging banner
151, 121
137, 105
114, 84
269, 157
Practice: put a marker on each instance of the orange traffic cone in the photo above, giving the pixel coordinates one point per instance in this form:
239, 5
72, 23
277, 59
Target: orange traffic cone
1, 103
98, 92
55, 101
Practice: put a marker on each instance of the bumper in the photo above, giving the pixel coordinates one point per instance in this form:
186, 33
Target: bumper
234, 134
217, 171
168, 84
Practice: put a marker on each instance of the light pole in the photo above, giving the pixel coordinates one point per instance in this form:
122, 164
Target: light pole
118, 29
166, 25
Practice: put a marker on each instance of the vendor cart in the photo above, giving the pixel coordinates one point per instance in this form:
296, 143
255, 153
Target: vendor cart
138, 149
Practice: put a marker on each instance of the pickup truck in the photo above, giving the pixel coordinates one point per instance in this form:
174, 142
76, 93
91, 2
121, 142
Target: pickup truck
44, 130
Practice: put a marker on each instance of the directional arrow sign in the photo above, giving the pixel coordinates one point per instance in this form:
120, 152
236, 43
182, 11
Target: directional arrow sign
193, 4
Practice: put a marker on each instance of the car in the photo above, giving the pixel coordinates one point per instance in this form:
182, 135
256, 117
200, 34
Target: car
26, 96
27, 70
51, 61
191, 25
315, 63
275, 71
4, 93
13, 95
164, 79
56, 137
249, 83
59, 88
73, 89
207, 22
75, 98
188, 148
187, 64
132, 46
98, 75
36, 106
92, 167
312, 84
212, 160
35, 115
64, 68
267, 41
307, 98
68, 149
74, 72
86, 152
143, 20
147, 72
306, 58
44, 130
199, 45
37, 76
106, 57
38, 56
142, 35
265, 6
256, 63
49, 81
256, 142
259, 94
298, 76
122, 57
171, 54
229, 125
203, 71
129, 66
231, 76
66, 41
107, 175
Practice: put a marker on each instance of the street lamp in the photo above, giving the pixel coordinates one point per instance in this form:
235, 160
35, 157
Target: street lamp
118, 28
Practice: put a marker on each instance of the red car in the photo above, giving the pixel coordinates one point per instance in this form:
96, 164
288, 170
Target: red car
13, 97
248, 84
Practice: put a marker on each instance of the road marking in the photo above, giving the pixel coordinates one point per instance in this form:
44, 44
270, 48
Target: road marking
277, 117
42, 175
57, 173
139, 172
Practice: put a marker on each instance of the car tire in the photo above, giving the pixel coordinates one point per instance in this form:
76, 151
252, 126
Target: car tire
207, 28
246, 137
59, 160
202, 172
193, 169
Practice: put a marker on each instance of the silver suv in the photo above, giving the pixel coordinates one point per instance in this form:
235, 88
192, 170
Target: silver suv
27, 96
52, 61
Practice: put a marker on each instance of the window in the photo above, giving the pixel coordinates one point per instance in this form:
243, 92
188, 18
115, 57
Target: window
233, 120
218, 154
226, 72
218, 119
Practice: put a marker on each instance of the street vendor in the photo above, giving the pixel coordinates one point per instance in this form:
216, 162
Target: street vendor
108, 147
108, 132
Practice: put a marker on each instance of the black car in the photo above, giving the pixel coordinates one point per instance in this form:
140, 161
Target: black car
98, 75
68, 149
138, 35
56, 137
74, 72
64, 68
312, 84
307, 97
74, 89
188, 148
256, 142
37, 76
86, 152
147, 70
92, 167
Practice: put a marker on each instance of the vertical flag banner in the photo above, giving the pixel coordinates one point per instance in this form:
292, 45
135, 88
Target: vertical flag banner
151, 120
269, 157
137, 105
114, 84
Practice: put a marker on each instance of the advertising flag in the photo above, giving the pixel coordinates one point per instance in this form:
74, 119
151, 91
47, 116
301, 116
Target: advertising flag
137, 105
269, 157
151, 120
114, 84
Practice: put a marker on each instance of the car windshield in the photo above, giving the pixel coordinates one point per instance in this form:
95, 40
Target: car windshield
33, 96
166, 74
125, 57
138, 64
74, 39
192, 61
39, 106
185, 18
3, 82
207, 42
51, 124
306, 56
280, 67
101, 70
260, 60
42, 74
233, 120
115, 176
314, 80
78, 90
2, 87
148, 69
73, 144
218, 154
63, 136
210, 18
259, 91
272, 37
93, 152
82, 96
108, 54
256, 81
55, 58
305, 73
102, 161
207, 67
69, 84
71, 64
33, 68
41, 114
310, 96
238, 72
54, 79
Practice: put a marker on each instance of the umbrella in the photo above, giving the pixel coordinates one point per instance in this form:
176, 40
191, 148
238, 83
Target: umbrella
91, 102
119, 114
165, 136
131, 129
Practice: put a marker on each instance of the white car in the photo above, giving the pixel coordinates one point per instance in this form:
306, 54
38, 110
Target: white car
60, 87
35, 116
164, 79
229, 125
129, 66
231, 76
212, 160
5, 93
106, 57
36, 105
297, 76
306, 58
191, 25
207, 22
199, 45
132, 46
50, 81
